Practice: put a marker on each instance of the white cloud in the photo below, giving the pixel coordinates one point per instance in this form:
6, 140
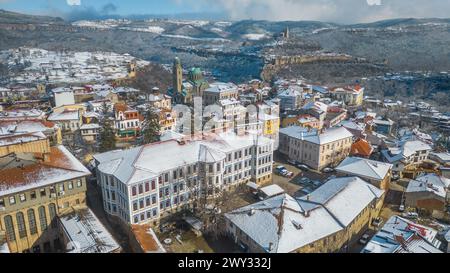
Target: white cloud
74, 2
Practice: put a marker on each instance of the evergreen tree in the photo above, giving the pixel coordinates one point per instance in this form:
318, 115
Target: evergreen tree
107, 134
150, 127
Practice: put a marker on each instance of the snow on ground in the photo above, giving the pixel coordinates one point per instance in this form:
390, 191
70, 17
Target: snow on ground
69, 67
151, 29
194, 38
254, 36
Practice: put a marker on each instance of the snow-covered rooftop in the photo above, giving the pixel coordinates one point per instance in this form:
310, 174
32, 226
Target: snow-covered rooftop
134, 165
66, 115
364, 168
282, 224
86, 234
62, 166
218, 87
404, 150
272, 190
400, 235
430, 183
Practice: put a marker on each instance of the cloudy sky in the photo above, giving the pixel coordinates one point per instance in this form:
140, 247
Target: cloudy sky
340, 11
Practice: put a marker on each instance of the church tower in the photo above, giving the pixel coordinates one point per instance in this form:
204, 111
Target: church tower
177, 76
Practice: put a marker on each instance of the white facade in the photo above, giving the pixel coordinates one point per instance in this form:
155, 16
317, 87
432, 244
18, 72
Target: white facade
63, 96
140, 185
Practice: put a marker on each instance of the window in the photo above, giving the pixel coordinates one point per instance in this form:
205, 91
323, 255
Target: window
33, 195
2, 203
32, 221
141, 203
42, 218
21, 225
22, 197
12, 200
10, 234
133, 190
153, 185
135, 206
61, 187
52, 210
141, 189
70, 185
42, 192
147, 201
174, 174
79, 183
166, 177
147, 187
154, 199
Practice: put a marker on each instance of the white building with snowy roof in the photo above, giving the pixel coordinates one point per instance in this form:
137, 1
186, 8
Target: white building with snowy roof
323, 221
315, 149
375, 172
406, 153
400, 235
428, 192
142, 184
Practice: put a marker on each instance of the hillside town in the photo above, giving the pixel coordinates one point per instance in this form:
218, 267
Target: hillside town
90, 165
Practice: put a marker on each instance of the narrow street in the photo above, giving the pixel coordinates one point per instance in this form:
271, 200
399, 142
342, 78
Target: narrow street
94, 201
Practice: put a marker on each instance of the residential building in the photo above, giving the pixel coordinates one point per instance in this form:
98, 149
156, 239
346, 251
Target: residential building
35, 189
90, 132
405, 154
35, 142
400, 235
375, 172
82, 232
315, 149
127, 121
441, 158
361, 148
63, 96
290, 98
428, 192
219, 91
324, 221
68, 120
143, 184
383, 126
351, 96
49, 129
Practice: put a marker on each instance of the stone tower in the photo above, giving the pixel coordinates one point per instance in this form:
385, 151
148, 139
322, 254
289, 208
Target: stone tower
177, 76
286, 33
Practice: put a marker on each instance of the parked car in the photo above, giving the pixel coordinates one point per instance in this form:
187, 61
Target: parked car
306, 190
302, 167
411, 215
364, 239
328, 170
316, 183
377, 222
395, 177
292, 162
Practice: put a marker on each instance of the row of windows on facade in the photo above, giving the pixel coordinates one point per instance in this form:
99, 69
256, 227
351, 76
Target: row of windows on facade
32, 224
42, 193
129, 124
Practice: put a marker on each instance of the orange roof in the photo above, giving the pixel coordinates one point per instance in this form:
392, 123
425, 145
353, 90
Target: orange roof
120, 107
146, 238
60, 166
361, 147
